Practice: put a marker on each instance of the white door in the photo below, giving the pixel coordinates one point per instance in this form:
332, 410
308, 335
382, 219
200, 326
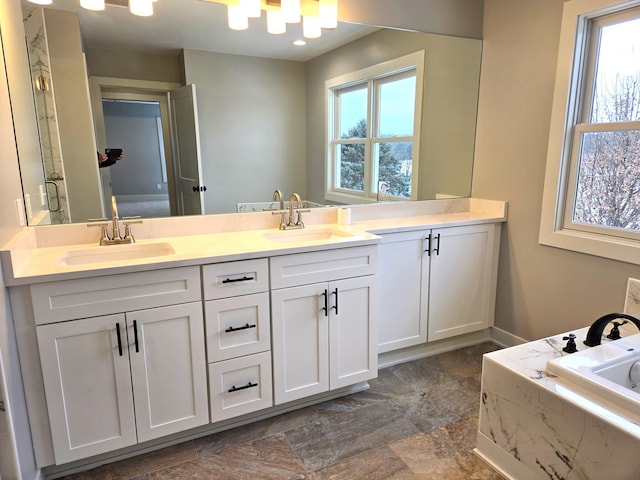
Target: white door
168, 369
87, 384
403, 280
300, 329
461, 280
352, 331
186, 143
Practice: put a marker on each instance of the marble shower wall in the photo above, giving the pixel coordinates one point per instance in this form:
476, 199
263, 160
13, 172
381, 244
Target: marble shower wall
46, 112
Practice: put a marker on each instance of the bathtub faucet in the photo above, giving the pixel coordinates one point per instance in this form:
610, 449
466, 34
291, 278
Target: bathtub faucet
594, 335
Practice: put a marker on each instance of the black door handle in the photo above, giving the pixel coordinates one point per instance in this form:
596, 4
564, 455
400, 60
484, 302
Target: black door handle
335, 292
135, 335
325, 294
119, 339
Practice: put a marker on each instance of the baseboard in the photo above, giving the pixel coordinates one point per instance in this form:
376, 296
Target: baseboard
504, 338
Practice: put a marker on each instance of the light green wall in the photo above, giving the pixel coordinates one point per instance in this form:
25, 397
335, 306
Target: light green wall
541, 290
252, 127
452, 68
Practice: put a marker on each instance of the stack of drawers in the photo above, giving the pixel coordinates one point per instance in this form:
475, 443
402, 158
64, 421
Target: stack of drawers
238, 337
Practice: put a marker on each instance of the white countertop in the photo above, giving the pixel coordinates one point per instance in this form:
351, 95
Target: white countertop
34, 256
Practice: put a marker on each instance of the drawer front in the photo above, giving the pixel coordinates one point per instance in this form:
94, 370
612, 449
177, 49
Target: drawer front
239, 386
222, 280
90, 297
324, 266
237, 326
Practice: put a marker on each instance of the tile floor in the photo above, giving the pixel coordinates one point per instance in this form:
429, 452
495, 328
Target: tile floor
418, 421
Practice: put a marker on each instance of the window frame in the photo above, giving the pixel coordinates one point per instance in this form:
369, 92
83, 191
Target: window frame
371, 76
568, 123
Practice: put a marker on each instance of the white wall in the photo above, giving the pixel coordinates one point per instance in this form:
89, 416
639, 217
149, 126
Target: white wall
541, 290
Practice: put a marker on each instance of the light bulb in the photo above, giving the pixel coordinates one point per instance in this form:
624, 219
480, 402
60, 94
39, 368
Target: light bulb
291, 10
311, 27
275, 22
251, 8
142, 8
328, 13
95, 5
237, 19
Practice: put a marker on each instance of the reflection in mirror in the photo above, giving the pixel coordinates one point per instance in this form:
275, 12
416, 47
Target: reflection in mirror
259, 111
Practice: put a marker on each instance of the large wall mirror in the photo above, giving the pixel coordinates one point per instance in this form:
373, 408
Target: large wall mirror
179, 82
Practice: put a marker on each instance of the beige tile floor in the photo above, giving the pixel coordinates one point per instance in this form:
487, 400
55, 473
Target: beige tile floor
418, 421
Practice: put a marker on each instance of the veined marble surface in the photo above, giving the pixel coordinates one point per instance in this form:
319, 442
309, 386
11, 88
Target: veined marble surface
549, 427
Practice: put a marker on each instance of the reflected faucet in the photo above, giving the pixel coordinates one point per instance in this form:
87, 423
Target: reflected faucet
294, 197
594, 335
277, 195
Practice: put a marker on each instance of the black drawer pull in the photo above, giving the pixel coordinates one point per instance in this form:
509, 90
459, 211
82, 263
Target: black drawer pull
233, 280
248, 385
235, 329
119, 339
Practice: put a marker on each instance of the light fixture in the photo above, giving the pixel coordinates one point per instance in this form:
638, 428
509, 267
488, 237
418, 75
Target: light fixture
275, 22
41, 2
95, 5
291, 10
328, 13
251, 8
311, 27
237, 18
142, 8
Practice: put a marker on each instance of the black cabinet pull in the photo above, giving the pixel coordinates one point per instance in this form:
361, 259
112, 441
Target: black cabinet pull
119, 339
135, 335
437, 249
428, 250
233, 280
335, 292
325, 309
235, 329
248, 385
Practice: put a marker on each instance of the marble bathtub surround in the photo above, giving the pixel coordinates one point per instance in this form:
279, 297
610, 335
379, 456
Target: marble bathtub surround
418, 421
535, 425
632, 300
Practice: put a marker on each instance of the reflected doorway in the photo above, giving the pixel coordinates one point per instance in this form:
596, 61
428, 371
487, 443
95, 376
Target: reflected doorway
139, 180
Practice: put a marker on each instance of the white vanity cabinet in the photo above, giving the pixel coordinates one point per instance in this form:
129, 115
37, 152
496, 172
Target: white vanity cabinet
238, 337
436, 284
323, 321
121, 378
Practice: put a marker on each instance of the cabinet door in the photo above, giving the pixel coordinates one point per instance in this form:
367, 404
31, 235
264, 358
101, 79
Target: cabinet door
403, 279
462, 284
168, 369
352, 331
88, 386
300, 327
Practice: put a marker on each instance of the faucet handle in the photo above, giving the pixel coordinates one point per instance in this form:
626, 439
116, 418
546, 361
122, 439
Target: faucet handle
299, 219
614, 334
132, 219
104, 239
282, 214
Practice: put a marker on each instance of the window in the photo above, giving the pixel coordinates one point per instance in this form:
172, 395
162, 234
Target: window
592, 189
373, 130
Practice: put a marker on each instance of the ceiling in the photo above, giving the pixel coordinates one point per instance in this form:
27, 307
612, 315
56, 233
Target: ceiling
198, 25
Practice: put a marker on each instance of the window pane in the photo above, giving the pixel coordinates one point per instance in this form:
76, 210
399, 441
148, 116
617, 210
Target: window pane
608, 183
352, 119
351, 166
394, 167
617, 79
396, 107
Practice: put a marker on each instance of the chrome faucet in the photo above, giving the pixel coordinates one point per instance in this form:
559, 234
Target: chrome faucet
594, 335
115, 238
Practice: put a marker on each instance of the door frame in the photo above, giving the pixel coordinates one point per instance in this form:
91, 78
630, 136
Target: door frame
129, 89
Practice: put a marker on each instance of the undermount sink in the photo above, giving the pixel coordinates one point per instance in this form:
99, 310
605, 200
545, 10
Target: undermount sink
307, 235
115, 253
610, 370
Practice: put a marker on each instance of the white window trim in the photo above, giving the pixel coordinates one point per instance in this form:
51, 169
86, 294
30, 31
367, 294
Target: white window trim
564, 115
397, 65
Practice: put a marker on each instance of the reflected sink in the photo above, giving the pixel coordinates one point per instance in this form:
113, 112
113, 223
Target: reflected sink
610, 370
115, 253
307, 235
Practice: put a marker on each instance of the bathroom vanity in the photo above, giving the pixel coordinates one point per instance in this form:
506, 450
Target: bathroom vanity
126, 348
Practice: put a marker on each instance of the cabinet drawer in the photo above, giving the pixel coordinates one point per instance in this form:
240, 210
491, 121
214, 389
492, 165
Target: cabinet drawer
324, 266
90, 297
239, 386
237, 326
231, 279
